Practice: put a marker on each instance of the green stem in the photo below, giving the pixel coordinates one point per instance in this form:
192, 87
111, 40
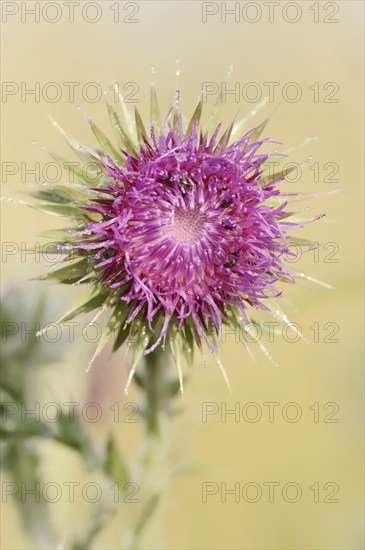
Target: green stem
156, 387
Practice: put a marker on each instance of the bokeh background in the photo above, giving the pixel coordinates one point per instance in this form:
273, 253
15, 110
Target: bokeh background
322, 52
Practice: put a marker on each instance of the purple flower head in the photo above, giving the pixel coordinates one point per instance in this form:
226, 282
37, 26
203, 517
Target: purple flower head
186, 227
184, 231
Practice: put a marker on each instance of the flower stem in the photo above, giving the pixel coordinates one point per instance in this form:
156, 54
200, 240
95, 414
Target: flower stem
156, 385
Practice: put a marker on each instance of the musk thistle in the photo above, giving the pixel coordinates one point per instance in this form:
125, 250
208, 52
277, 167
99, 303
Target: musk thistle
177, 230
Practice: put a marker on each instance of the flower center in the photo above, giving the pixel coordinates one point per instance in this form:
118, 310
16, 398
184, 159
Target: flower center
188, 225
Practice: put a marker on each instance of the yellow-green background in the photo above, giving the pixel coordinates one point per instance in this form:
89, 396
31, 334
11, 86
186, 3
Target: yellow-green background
305, 452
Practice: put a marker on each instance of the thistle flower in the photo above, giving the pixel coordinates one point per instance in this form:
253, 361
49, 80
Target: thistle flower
184, 230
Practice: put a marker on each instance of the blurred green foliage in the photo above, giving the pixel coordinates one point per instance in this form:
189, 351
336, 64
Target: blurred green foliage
21, 436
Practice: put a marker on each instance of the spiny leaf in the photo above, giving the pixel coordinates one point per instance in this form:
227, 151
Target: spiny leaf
215, 116
309, 278
58, 249
142, 341
106, 145
60, 195
128, 116
299, 197
257, 133
188, 343
81, 151
297, 241
82, 175
141, 131
70, 273
223, 142
87, 304
116, 321
121, 135
155, 109
277, 175
174, 121
176, 346
121, 337
58, 234
63, 210
196, 116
